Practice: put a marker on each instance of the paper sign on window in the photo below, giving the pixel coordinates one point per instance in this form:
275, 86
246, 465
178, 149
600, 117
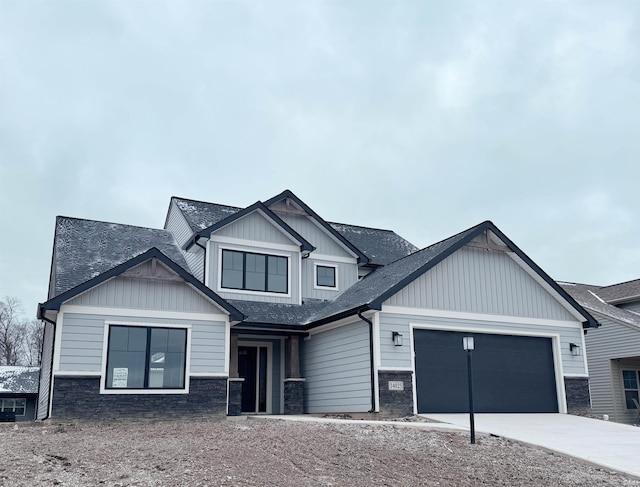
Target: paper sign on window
120, 377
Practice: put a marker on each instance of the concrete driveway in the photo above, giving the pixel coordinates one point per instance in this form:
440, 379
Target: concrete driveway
611, 445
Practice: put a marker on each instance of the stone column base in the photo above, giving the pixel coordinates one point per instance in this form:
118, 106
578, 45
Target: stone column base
235, 396
576, 390
396, 393
293, 396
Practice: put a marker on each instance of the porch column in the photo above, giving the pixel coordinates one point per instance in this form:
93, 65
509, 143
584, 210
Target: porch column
235, 382
293, 384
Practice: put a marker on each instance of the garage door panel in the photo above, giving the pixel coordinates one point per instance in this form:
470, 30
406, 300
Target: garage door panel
511, 373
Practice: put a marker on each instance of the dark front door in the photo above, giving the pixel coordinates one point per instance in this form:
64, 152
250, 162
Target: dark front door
511, 374
252, 367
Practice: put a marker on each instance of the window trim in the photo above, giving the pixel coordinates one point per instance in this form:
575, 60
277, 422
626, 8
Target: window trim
13, 410
105, 352
315, 276
635, 369
270, 253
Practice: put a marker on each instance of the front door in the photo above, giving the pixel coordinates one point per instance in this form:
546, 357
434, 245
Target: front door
253, 368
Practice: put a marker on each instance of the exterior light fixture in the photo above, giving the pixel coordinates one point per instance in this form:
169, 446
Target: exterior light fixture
397, 338
575, 349
468, 345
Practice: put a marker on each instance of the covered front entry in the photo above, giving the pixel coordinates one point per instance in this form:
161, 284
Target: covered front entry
511, 374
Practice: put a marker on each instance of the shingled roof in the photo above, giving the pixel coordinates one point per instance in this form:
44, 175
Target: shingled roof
380, 246
19, 380
590, 297
84, 249
620, 293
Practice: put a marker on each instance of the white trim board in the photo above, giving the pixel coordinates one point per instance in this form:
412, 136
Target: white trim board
142, 313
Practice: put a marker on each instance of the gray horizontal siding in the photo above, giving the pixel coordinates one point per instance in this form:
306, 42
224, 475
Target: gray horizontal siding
317, 237
605, 346
255, 227
45, 372
83, 334
395, 357
347, 277
177, 224
479, 281
140, 293
336, 366
294, 262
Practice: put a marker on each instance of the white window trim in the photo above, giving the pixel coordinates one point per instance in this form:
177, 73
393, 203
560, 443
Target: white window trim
315, 276
221, 289
105, 344
624, 397
12, 410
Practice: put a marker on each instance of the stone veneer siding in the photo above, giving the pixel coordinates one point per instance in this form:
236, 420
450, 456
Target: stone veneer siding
79, 398
393, 402
577, 393
235, 396
293, 396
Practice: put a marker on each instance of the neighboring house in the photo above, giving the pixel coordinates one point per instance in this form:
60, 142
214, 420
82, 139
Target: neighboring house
271, 309
18, 393
613, 350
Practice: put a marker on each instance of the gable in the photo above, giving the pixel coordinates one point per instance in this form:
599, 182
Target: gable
324, 243
256, 227
149, 285
479, 280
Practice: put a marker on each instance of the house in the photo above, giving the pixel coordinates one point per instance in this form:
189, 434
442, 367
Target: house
271, 309
18, 393
613, 349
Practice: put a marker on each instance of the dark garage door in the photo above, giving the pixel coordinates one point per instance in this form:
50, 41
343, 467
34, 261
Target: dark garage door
511, 374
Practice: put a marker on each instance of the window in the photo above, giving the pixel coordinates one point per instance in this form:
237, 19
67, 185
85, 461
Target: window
141, 357
326, 276
17, 406
254, 272
631, 380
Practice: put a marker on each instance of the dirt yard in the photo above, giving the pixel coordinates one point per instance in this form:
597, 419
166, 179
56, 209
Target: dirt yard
265, 452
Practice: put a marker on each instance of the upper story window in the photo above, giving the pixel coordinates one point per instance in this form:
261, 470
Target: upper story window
140, 357
254, 272
326, 277
631, 382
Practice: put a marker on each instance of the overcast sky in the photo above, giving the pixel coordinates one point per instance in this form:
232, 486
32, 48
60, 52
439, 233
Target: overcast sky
424, 117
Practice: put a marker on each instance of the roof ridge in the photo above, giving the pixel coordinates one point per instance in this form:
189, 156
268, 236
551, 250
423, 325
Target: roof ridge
361, 226
620, 283
207, 202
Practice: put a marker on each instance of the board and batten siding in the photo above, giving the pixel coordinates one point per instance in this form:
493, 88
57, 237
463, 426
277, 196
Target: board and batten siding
177, 224
255, 227
316, 236
336, 367
347, 277
605, 345
141, 293
42, 408
82, 341
400, 357
479, 281
294, 272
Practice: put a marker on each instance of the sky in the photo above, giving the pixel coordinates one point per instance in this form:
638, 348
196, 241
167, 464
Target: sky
424, 117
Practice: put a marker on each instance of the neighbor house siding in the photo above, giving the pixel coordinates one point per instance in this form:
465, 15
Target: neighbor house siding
45, 371
83, 341
140, 293
605, 346
480, 281
347, 277
336, 366
255, 227
318, 237
400, 357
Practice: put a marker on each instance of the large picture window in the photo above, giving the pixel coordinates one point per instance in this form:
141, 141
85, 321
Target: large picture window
141, 357
254, 272
631, 381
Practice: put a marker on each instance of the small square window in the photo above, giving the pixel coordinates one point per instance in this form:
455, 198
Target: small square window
325, 276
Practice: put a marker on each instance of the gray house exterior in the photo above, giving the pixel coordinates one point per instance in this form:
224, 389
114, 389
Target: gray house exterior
270, 309
18, 393
613, 350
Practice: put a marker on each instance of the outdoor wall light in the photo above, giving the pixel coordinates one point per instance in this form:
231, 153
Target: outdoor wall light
575, 349
467, 343
397, 338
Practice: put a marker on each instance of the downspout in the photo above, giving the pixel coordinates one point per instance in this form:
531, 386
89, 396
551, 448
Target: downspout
373, 386
53, 347
204, 258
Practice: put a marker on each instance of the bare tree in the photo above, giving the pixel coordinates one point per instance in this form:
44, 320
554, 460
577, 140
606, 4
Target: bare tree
12, 331
33, 343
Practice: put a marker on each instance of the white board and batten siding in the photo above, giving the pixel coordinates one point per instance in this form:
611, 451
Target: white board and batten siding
608, 349
336, 367
479, 291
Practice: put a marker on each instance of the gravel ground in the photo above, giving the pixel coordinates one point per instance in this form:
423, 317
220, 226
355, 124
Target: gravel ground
274, 452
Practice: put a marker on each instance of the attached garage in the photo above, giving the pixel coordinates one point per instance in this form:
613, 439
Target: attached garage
511, 373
